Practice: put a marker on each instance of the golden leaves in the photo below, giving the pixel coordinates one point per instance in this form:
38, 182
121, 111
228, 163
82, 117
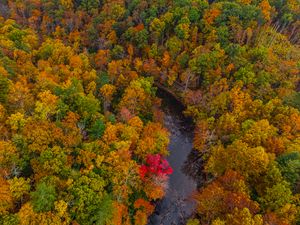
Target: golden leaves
8, 158
154, 140
266, 9
107, 91
41, 134
6, 201
46, 106
16, 121
29, 217
19, 187
238, 156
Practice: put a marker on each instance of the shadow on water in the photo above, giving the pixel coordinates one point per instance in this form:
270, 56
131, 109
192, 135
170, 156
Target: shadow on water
177, 205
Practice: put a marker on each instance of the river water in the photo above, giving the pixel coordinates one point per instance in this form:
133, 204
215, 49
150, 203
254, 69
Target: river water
177, 205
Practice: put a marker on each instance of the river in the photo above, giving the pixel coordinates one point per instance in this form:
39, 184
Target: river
177, 205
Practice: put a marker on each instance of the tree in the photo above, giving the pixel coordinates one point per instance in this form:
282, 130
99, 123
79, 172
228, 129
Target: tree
19, 187
97, 129
9, 159
174, 45
40, 135
249, 161
155, 165
107, 92
276, 196
68, 4
266, 8
182, 30
88, 196
52, 161
144, 209
137, 96
88, 5
20, 97
157, 28
27, 216
72, 133
210, 15
154, 140
46, 106
224, 195
102, 58
16, 121
243, 217
43, 197
4, 87
259, 133
289, 164
6, 200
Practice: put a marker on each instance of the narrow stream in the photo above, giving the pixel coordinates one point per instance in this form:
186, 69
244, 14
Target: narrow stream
177, 205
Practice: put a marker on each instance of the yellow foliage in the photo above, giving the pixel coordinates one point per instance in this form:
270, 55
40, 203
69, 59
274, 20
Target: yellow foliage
29, 217
6, 201
154, 140
19, 187
61, 209
8, 157
107, 91
41, 134
110, 133
136, 122
16, 121
240, 157
68, 4
243, 217
2, 112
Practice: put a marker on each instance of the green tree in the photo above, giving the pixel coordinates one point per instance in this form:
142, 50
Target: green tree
276, 196
88, 5
43, 197
87, 194
97, 129
4, 88
289, 164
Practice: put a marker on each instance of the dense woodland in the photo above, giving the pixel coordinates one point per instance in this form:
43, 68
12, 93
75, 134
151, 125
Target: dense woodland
81, 133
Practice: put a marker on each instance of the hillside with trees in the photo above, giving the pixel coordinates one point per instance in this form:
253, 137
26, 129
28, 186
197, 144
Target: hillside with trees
82, 139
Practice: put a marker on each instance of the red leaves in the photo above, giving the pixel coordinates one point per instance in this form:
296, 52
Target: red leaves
143, 171
155, 165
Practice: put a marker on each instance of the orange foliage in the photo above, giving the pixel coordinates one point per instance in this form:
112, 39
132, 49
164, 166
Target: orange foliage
6, 200
211, 15
266, 9
223, 195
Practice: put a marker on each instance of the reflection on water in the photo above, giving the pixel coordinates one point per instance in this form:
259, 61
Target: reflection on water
193, 167
177, 204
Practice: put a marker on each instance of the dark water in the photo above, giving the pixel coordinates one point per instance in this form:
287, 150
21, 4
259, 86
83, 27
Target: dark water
177, 204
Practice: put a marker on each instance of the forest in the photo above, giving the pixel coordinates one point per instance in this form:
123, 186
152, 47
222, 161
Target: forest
82, 134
